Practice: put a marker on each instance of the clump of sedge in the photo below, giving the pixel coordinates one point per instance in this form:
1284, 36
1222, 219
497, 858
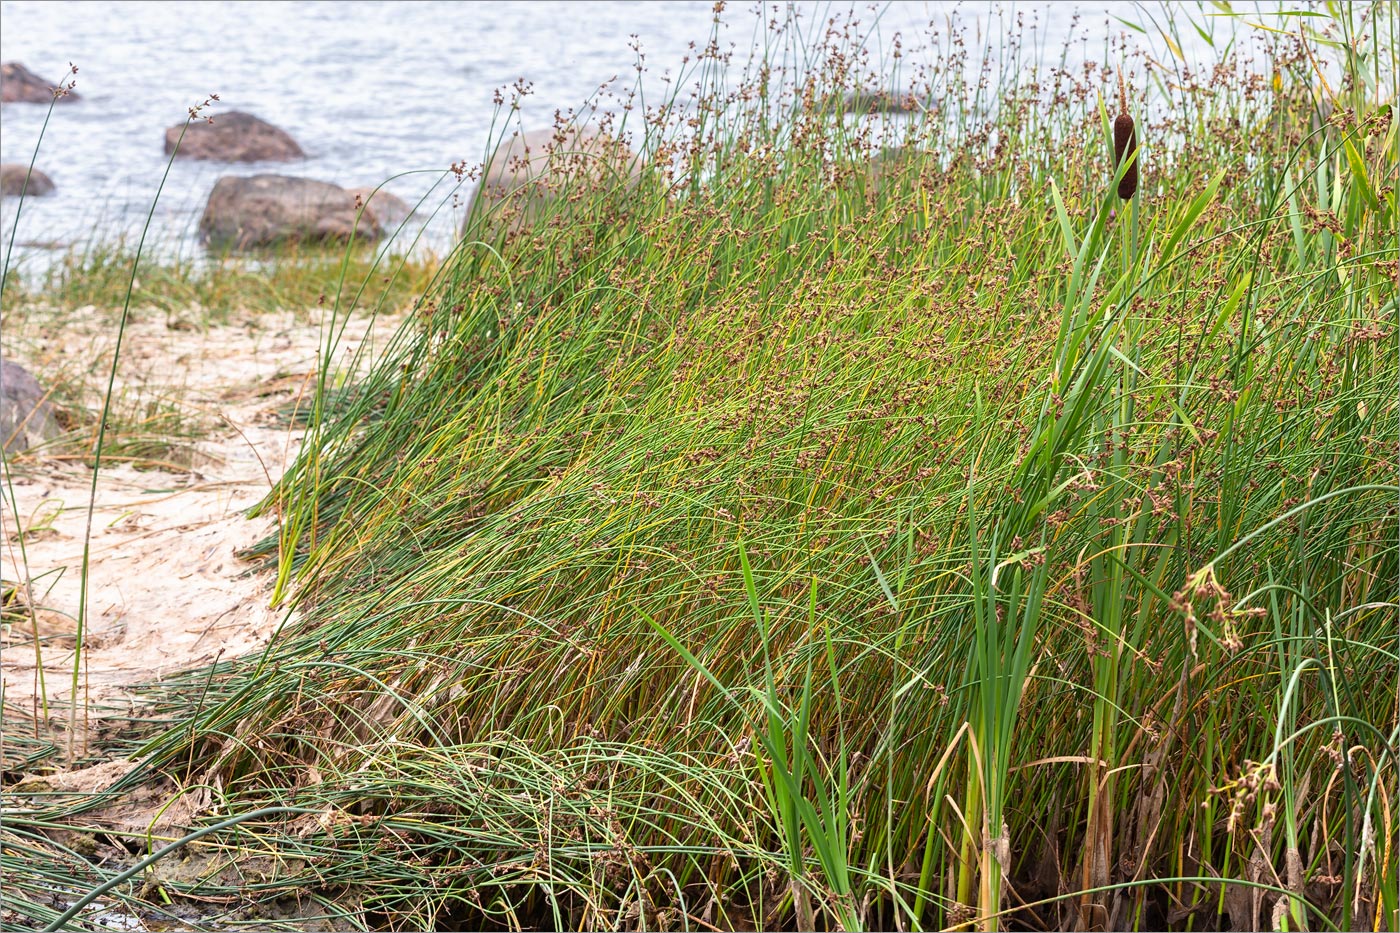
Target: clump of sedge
1125, 144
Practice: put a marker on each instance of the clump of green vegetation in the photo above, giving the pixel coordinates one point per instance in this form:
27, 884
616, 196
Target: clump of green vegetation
201, 290
792, 544
84, 292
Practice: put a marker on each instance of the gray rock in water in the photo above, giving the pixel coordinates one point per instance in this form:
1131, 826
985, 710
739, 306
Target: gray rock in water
864, 101
26, 417
232, 137
389, 210
12, 175
19, 85
889, 166
264, 210
532, 169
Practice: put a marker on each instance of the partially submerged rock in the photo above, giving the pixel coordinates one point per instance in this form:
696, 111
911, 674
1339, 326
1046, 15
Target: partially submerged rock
19, 85
12, 181
389, 210
889, 166
232, 137
883, 101
531, 170
26, 416
264, 210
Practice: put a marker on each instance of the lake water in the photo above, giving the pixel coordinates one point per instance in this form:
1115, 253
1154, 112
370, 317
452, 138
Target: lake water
369, 89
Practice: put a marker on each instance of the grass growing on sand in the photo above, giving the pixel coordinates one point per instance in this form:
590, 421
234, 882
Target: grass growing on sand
82, 294
197, 291
787, 542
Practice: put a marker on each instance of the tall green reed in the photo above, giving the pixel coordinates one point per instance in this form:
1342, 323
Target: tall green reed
12, 499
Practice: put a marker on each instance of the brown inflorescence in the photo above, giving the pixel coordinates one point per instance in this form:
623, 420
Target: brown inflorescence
1125, 145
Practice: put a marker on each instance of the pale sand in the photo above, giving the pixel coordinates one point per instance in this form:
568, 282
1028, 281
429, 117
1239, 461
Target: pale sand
166, 590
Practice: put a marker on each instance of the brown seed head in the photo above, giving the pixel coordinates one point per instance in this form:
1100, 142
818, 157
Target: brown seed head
1125, 144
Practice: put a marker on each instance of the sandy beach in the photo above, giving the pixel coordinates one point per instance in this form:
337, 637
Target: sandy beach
167, 590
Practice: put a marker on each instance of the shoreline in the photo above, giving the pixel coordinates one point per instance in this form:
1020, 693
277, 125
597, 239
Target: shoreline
167, 589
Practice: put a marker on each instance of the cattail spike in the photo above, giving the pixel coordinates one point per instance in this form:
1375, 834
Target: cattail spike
1125, 143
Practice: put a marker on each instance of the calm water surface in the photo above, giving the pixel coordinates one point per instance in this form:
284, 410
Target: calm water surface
370, 90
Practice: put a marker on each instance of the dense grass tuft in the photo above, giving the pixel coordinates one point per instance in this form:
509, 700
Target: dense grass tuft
796, 539
196, 291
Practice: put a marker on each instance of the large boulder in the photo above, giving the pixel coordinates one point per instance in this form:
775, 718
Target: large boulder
531, 170
264, 210
389, 210
19, 85
12, 181
26, 417
232, 137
